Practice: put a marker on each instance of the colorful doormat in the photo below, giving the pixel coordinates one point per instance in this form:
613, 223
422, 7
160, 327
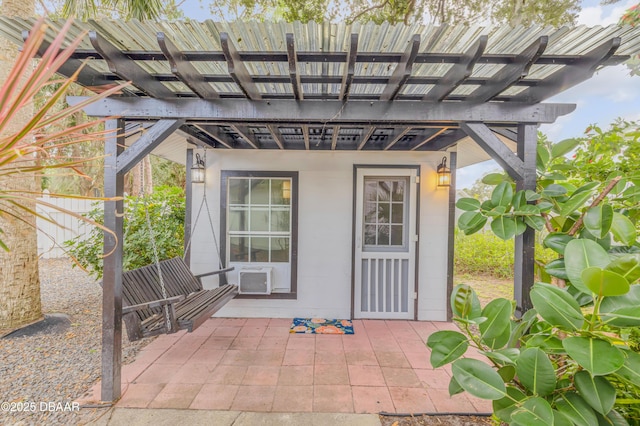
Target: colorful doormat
321, 326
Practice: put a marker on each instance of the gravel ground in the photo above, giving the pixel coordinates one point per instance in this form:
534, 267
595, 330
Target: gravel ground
57, 368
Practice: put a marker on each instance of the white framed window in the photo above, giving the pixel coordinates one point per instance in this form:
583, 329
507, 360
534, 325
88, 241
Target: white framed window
259, 224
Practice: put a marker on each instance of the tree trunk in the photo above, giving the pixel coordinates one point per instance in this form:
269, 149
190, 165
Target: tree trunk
141, 178
19, 275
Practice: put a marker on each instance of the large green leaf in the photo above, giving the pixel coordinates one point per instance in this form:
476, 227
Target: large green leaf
521, 326
556, 306
623, 317
535, 222
581, 254
557, 241
496, 211
495, 343
557, 268
598, 220
506, 356
502, 194
554, 191
464, 302
536, 372
630, 370
504, 227
468, 204
454, 387
503, 407
559, 419
629, 300
478, 379
446, 346
471, 222
597, 356
549, 343
573, 406
604, 283
494, 178
563, 147
613, 418
534, 411
542, 157
596, 391
498, 314
628, 266
574, 202
623, 229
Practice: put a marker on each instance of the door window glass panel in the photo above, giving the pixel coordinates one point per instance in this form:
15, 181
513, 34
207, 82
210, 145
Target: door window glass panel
280, 249
385, 203
280, 220
259, 219
238, 191
280, 191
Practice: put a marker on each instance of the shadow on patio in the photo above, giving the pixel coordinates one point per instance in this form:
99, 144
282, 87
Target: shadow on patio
257, 365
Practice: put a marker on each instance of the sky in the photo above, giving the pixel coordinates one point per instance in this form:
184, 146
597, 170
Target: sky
610, 94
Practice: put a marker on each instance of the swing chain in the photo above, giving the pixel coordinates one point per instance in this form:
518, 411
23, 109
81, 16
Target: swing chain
154, 246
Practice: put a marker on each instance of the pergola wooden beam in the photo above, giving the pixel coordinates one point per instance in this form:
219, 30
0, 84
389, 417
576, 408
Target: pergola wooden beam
185, 70
395, 137
127, 69
429, 139
444, 142
580, 70
335, 132
237, 70
335, 112
246, 135
350, 67
402, 71
217, 134
198, 137
305, 135
276, 135
458, 72
293, 68
367, 132
512, 73
150, 139
491, 144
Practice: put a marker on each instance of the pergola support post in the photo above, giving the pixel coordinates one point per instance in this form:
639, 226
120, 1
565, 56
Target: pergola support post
524, 261
453, 160
112, 276
188, 208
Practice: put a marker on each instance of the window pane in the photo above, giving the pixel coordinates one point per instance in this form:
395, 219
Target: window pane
259, 191
383, 235
239, 249
398, 190
279, 249
370, 212
396, 235
383, 190
259, 219
384, 215
370, 235
280, 220
280, 191
370, 191
238, 219
397, 214
259, 249
238, 191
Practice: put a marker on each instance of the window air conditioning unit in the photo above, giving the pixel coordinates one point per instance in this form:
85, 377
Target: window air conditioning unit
254, 281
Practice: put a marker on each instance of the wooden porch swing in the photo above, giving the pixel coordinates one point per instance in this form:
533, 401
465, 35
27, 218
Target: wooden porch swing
166, 296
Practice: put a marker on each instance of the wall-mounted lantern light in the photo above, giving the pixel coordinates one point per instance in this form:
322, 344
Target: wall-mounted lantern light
444, 174
197, 170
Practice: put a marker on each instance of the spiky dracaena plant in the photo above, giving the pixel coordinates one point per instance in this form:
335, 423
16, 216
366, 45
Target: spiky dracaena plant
28, 151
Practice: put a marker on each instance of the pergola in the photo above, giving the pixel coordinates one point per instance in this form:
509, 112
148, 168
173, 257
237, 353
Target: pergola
293, 86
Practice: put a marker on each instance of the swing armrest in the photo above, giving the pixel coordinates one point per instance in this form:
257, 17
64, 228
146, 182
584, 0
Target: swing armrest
152, 304
221, 271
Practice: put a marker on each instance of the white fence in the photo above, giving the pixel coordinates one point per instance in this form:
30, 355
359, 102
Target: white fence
51, 236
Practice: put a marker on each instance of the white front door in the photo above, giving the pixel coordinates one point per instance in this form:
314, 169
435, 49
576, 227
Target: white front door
385, 238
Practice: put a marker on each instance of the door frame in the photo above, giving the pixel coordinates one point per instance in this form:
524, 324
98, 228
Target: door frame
357, 167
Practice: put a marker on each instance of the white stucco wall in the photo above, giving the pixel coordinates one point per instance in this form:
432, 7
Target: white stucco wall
325, 214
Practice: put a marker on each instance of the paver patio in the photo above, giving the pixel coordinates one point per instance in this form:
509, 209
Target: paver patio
257, 365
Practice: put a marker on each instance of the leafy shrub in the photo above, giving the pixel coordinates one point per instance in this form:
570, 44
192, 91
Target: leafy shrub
166, 209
